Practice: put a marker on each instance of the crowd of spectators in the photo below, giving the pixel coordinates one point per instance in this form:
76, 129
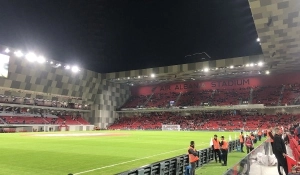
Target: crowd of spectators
204, 121
267, 95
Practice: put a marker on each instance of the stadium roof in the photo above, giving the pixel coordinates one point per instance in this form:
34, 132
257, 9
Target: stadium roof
277, 25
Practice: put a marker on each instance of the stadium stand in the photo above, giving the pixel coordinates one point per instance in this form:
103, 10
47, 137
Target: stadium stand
27, 118
212, 121
277, 95
135, 101
267, 95
41, 102
162, 99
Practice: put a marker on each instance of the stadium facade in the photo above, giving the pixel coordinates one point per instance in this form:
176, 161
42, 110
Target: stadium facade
277, 25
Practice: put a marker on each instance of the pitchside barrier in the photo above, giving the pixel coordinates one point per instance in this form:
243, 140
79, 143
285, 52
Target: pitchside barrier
177, 165
260, 161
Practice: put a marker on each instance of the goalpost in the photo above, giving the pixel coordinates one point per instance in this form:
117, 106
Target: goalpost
170, 128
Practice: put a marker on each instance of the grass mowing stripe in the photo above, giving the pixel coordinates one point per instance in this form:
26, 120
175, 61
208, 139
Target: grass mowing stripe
121, 163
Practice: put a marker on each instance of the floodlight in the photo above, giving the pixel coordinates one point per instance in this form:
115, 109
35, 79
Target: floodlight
75, 69
260, 63
31, 57
41, 59
18, 53
7, 50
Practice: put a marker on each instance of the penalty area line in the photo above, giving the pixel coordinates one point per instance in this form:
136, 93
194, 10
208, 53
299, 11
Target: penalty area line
134, 160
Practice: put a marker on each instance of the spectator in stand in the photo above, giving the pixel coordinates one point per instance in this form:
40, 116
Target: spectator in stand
193, 157
249, 144
279, 151
270, 137
216, 148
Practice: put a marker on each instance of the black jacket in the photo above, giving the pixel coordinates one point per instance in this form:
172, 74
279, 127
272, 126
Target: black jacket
191, 151
278, 145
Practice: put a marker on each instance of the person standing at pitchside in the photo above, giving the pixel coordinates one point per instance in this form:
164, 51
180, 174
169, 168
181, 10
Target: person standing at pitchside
242, 139
224, 150
193, 157
279, 150
216, 148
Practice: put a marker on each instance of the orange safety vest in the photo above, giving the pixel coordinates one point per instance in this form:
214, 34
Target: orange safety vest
225, 145
259, 133
192, 158
216, 144
241, 138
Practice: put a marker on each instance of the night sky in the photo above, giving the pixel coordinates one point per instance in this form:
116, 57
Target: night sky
116, 35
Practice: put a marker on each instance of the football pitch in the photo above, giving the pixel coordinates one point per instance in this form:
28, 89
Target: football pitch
100, 152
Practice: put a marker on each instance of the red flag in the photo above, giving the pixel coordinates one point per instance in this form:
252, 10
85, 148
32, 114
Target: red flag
290, 162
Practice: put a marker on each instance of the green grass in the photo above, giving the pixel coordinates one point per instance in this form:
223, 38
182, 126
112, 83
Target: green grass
22, 154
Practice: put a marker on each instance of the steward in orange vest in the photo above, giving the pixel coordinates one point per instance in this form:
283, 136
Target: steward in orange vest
193, 157
259, 133
242, 139
224, 150
216, 148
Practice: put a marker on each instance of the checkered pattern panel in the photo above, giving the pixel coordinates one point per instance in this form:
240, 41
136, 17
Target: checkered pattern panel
219, 69
278, 27
44, 81
110, 97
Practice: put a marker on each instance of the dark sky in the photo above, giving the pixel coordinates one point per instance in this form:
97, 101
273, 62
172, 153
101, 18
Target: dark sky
117, 35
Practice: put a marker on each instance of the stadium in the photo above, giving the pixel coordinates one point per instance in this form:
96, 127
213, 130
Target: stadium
57, 118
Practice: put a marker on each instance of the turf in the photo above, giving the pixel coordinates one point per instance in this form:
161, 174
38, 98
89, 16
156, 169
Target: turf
32, 155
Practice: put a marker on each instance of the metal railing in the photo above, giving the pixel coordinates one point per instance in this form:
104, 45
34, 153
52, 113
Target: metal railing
177, 165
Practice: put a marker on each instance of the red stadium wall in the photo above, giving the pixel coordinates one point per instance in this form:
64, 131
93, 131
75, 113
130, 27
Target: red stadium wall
218, 84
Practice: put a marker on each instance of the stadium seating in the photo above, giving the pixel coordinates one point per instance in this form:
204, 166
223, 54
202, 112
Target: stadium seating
161, 100
41, 102
268, 95
154, 121
276, 95
68, 120
290, 94
135, 101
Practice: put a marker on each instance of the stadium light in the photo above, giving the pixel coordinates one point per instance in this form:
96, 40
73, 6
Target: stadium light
247, 65
251, 65
75, 69
152, 75
139, 76
41, 60
231, 67
205, 69
260, 64
258, 39
267, 72
7, 50
19, 53
67, 67
51, 62
31, 57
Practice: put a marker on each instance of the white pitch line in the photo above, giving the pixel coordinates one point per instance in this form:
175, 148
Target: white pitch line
91, 170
